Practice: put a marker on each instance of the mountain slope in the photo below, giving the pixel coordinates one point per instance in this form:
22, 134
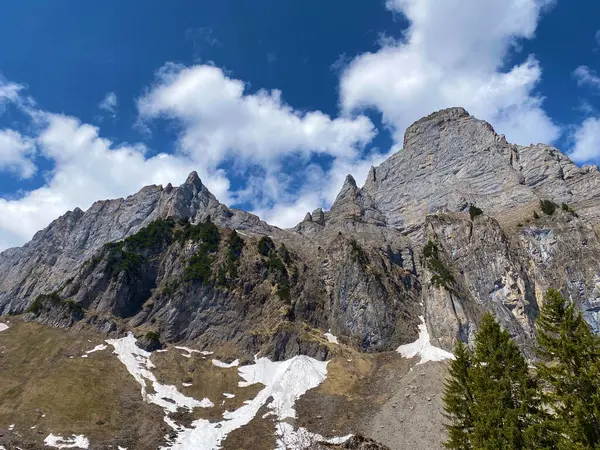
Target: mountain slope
358, 269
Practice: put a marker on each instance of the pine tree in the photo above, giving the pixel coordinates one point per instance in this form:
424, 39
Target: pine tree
506, 396
458, 400
571, 373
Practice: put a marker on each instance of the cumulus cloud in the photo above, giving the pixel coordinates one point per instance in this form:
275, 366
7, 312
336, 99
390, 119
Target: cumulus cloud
219, 120
16, 152
109, 104
453, 54
586, 141
586, 77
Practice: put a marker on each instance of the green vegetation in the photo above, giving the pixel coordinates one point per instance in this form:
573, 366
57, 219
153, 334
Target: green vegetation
158, 232
493, 401
548, 207
570, 372
152, 335
441, 275
568, 209
207, 232
199, 267
357, 253
53, 300
265, 245
490, 398
235, 246
474, 211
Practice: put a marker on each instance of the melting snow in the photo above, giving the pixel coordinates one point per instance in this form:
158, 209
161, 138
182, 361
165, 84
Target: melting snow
422, 347
331, 338
11, 427
3, 327
97, 348
284, 382
138, 364
290, 439
75, 441
186, 384
223, 365
228, 395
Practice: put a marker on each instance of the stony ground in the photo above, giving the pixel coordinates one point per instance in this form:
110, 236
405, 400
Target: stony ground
46, 386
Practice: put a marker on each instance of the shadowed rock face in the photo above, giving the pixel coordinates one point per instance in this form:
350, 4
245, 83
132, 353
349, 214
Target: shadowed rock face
403, 245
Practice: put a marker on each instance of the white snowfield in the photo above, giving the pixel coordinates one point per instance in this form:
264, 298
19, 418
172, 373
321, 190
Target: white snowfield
422, 347
138, 364
75, 441
284, 382
3, 326
223, 365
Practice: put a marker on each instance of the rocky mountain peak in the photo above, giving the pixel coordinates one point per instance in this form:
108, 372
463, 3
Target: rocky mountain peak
194, 180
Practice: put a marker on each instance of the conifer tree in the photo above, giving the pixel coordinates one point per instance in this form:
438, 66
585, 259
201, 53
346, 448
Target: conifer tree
571, 373
490, 398
506, 396
458, 400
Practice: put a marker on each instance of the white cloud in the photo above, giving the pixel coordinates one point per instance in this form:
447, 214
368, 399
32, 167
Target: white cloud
109, 104
586, 139
88, 168
219, 120
16, 152
453, 54
586, 77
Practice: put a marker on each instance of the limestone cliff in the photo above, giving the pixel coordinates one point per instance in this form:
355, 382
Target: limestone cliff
449, 227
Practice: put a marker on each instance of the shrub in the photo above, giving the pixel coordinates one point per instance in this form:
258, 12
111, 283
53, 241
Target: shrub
265, 246
156, 233
548, 207
357, 253
441, 275
207, 232
474, 211
152, 336
198, 267
568, 209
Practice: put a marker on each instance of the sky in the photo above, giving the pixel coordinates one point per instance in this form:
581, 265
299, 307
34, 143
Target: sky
272, 103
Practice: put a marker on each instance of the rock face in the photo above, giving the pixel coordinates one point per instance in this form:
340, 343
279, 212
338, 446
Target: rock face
406, 244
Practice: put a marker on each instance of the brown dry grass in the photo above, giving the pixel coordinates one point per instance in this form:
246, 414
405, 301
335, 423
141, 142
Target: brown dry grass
95, 396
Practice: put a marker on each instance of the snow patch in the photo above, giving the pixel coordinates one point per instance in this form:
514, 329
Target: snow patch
228, 395
137, 361
186, 384
75, 441
3, 327
97, 348
223, 365
331, 338
422, 347
11, 427
289, 438
284, 381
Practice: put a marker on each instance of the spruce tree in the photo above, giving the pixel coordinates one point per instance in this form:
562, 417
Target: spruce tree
506, 396
571, 373
490, 398
458, 400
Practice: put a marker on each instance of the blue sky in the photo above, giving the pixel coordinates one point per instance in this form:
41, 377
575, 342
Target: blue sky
273, 103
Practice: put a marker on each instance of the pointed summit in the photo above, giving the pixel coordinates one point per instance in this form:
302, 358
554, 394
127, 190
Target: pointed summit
194, 180
349, 182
